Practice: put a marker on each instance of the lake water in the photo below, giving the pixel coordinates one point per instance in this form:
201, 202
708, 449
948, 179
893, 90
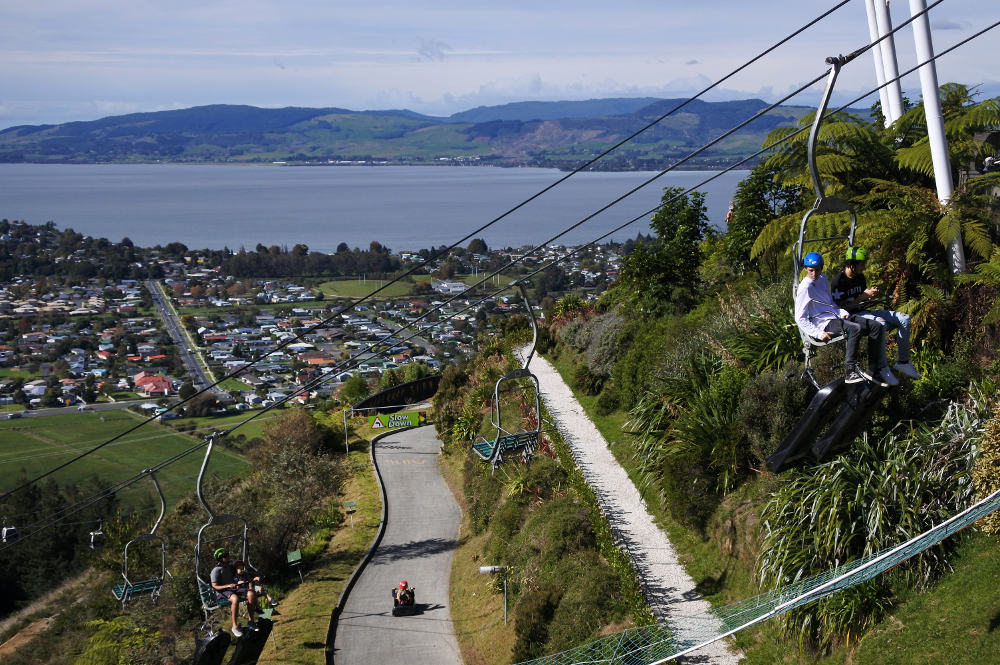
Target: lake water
402, 207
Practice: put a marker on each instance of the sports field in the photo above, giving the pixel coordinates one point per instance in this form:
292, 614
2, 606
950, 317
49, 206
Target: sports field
32, 446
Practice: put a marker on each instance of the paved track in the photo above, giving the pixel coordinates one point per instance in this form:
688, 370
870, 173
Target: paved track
420, 537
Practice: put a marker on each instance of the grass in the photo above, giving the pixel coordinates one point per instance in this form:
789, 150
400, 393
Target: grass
356, 288
235, 384
305, 613
956, 622
476, 607
38, 444
208, 424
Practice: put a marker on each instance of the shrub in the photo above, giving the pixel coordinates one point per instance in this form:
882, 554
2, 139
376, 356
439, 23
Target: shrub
986, 472
607, 401
482, 492
591, 598
770, 407
604, 348
532, 615
586, 381
575, 334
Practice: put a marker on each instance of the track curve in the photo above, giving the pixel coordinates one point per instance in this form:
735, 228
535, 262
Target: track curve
421, 533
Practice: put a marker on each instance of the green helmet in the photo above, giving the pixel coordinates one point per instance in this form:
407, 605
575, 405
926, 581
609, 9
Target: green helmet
856, 253
221, 552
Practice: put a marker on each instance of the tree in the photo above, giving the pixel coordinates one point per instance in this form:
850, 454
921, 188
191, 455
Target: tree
187, 390
760, 198
355, 389
478, 246
661, 275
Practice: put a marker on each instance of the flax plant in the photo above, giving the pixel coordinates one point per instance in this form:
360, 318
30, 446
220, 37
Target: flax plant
880, 494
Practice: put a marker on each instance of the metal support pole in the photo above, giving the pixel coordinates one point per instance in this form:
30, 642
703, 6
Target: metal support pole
883, 97
893, 90
505, 595
935, 122
347, 449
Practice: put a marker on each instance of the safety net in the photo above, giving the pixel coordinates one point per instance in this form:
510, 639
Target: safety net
662, 642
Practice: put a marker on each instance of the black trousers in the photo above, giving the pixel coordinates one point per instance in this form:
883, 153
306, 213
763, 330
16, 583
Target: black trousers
854, 327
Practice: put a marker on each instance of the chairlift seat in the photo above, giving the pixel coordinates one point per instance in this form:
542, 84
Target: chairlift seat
210, 598
125, 592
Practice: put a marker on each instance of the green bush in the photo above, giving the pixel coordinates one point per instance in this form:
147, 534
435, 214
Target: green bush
604, 347
575, 334
607, 401
532, 615
986, 472
482, 492
590, 599
586, 381
770, 406
877, 495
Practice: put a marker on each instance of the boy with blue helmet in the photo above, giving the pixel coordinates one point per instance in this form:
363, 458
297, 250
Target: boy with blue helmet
819, 317
851, 291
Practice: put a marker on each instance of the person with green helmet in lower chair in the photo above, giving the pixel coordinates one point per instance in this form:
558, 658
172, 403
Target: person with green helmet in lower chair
223, 578
818, 316
851, 291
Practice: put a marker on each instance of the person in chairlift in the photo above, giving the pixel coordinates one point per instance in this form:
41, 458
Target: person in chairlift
851, 291
819, 317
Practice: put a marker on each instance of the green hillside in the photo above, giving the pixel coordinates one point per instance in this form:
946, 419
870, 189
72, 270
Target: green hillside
560, 134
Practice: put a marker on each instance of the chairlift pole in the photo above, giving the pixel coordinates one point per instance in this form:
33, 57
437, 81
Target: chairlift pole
890, 69
935, 122
873, 35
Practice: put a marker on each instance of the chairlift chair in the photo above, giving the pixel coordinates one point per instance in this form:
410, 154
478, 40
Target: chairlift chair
522, 441
152, 584
205, 545
823, 205
97, 536
9, 533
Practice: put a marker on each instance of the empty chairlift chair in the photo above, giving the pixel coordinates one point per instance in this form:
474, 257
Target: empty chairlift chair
140, 579
509, 443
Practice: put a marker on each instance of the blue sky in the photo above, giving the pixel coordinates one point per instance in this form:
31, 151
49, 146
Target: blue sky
64, 60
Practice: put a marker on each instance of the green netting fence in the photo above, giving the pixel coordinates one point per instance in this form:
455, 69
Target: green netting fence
662, 642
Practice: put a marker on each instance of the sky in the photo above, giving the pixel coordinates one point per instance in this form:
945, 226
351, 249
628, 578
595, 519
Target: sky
66, 60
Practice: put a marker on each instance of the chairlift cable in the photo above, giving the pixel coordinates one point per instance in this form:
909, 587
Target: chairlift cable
336, 314
437, 255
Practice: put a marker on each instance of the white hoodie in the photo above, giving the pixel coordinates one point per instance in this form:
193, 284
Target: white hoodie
814, 307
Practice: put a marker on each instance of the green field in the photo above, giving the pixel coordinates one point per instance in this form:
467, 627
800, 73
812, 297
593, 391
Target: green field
35, 445
356, 288
219, 423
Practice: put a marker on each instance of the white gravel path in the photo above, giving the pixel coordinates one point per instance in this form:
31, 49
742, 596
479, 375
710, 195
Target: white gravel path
669, 590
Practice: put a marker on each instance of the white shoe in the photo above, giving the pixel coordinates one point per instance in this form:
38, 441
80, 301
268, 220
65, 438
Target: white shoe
236, 632
907, 369
888, 378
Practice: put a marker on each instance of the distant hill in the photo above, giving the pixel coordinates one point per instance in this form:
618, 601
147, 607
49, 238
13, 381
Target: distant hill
557, 134
591, 108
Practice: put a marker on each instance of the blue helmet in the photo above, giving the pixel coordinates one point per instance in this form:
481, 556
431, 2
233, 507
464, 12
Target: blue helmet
812, 259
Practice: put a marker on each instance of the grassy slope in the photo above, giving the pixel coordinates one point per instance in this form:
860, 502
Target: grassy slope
960, 615
40, 443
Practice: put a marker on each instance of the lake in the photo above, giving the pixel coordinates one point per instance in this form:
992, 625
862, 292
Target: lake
402, 207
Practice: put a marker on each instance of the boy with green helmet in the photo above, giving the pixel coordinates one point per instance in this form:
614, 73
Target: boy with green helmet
851, 291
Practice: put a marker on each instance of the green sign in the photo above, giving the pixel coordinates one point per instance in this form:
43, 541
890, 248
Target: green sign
396, 420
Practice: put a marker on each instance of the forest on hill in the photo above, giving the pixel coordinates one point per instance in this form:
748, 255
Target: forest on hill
550, 134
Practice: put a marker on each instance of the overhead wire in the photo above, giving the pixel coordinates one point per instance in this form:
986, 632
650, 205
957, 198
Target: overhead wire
323, 379
468, 236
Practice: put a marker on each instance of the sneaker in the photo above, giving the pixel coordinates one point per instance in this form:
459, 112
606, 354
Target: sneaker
888, 378
273, 603
907, 369
252, 625
236, 632
853, 376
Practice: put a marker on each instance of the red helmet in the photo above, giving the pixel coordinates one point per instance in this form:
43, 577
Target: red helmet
403, 585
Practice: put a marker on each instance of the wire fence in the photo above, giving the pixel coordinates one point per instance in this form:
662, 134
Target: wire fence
658, 643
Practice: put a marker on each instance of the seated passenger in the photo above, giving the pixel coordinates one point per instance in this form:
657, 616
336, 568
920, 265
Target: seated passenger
404, 594
851, 291
223, 579
819, 317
